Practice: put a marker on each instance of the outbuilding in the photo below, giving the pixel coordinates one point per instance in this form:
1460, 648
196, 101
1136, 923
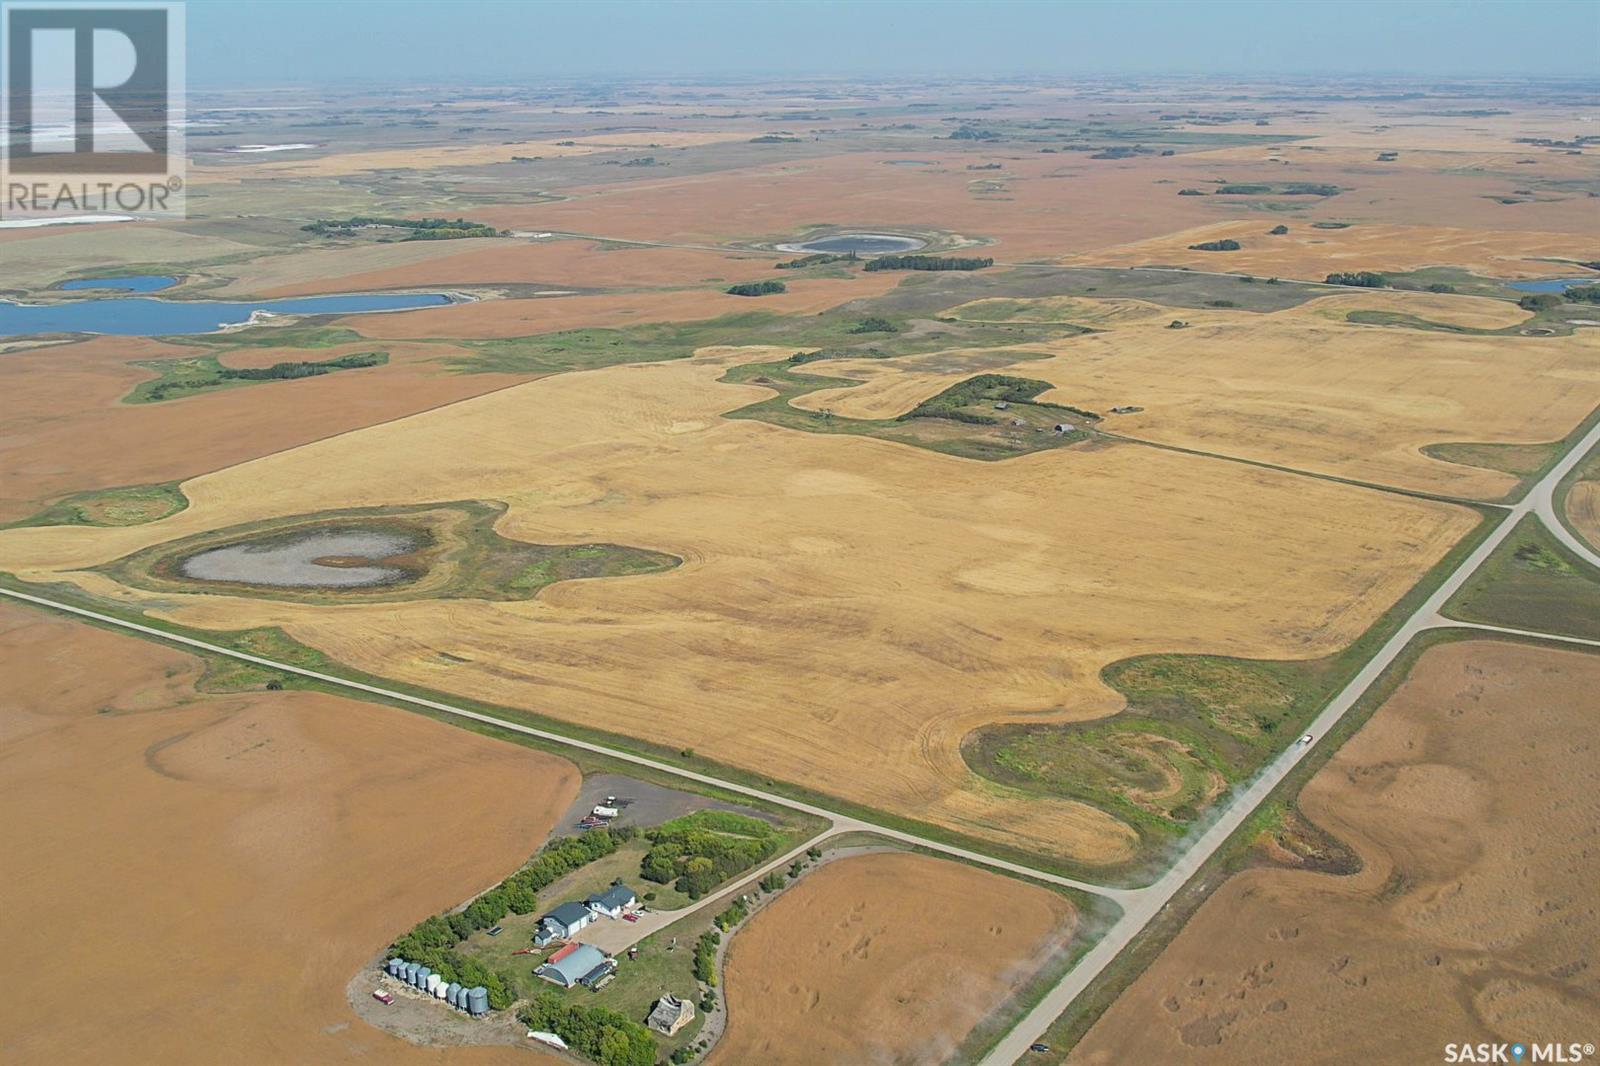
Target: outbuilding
670, 1014
568, 919
572, 966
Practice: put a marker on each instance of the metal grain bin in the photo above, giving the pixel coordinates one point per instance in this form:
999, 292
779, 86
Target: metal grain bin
432, 983
440, 989
408, 973
452, 994
421, 980
478, 1000
392, 967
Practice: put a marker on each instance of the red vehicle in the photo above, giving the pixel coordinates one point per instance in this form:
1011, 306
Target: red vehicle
382, 997
630, 917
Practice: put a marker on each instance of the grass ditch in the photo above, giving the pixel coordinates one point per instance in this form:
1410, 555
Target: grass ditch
1532, 581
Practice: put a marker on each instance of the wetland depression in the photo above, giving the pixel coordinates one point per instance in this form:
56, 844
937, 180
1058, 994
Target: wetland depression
331, 559
859, 243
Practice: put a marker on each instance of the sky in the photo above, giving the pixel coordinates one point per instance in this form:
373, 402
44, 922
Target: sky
310, 42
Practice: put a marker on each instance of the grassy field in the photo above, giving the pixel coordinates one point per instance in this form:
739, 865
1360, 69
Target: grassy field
179, 378
130, 505
962, 420
1195, 725
456, 554
1532, 582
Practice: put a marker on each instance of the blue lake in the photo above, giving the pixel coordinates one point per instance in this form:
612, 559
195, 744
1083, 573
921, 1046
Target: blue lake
131, 283
136, 317
1554, 284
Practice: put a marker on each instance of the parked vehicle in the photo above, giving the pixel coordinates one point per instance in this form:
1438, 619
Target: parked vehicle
1305, 741
497, 930
630, 917
1041, 1048
382, 997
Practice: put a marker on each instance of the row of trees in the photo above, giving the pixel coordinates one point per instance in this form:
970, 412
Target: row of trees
818, 259
285, 371
1361, 279
421, 229
1227, 244
927, 262
598, 1033
757, 288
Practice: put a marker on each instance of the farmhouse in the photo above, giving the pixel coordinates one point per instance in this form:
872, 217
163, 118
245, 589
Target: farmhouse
567, 919
573, 963
613, 901
670, 1014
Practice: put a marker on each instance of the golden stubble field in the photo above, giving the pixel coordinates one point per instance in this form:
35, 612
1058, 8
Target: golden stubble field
901, 957
194, 879
848, 609
1301, 388
1311, 254
1462, 926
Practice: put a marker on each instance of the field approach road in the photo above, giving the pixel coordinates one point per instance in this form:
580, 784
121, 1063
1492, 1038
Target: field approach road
1141, 906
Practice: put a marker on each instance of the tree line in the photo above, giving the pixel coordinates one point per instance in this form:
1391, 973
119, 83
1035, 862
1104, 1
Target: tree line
421, 229
927, 262
757, 288
598, 1033
702, 850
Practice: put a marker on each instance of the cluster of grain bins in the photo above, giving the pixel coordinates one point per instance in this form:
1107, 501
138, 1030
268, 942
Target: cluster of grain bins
475, 1001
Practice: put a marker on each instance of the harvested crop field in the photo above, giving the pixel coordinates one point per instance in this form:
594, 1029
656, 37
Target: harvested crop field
233, 859
1462, 926
521, 318
900, 957
1311, 254
861, 191
1013, 606
559, 264
1358, 401
65, 429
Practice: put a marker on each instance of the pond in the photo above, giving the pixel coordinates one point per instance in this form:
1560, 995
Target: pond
859, 243
131, 283
331, 559
1553, 284
137, 317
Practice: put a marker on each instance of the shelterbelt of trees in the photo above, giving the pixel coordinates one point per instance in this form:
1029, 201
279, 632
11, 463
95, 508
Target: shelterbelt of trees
434, 940
927, 262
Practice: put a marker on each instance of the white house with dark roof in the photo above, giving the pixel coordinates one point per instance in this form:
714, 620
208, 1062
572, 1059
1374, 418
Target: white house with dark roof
613, 901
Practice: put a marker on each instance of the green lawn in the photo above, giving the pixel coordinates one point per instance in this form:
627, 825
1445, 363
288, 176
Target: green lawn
1532, 582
